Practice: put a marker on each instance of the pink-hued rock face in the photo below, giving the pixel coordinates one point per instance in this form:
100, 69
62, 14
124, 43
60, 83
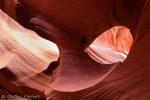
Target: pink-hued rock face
118, 38
73, 25
113, 45
23, 58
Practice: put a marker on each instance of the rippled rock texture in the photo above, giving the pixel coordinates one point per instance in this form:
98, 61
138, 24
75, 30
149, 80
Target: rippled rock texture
89, 63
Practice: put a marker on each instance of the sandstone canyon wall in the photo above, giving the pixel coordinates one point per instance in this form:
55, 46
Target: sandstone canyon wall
80, 68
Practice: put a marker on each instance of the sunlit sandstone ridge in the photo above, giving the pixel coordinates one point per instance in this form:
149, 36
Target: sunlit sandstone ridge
23, 56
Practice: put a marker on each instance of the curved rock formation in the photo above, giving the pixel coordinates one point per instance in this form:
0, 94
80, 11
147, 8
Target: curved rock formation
24, 57
73, 26
111, 46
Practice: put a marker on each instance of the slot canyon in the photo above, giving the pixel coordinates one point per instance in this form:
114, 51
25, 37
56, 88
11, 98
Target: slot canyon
74, 49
